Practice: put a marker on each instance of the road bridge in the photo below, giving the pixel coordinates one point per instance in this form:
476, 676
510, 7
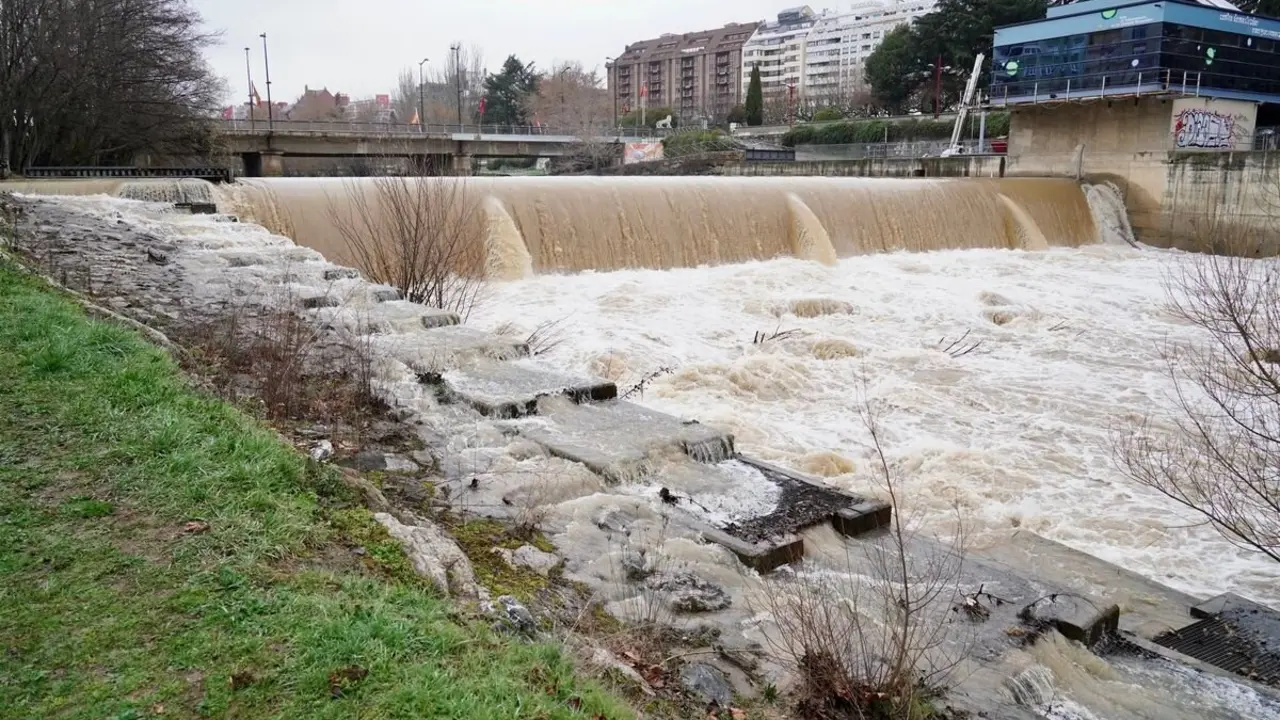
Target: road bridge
264, 146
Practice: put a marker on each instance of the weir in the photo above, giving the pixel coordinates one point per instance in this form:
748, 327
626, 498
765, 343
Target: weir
523, 226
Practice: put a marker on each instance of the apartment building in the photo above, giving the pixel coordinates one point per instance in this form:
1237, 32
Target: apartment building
778, 48
838, 46
697, 75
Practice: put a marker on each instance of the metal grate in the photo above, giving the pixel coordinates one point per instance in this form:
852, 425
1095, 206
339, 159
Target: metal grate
1237, 640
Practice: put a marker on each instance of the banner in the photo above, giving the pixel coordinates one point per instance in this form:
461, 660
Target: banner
638, 152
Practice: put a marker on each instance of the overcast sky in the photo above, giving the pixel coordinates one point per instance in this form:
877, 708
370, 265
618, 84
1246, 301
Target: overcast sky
359, 46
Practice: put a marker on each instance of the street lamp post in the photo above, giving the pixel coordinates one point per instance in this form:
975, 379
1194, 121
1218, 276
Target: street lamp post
248, 73
422, 105
457, 79
611, 64
271, 121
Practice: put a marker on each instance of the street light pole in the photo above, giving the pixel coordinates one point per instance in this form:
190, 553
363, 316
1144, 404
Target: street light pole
271, 120
457, 75
248, 73
612, 65
937, 88
422, 105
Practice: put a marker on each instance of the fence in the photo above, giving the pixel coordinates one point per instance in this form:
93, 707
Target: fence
331, 127
1153, 81
906, 149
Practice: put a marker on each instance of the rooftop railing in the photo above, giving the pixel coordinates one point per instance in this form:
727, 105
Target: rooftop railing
1153, 81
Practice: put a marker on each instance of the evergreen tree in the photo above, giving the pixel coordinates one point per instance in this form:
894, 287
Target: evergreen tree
893, 69
507, 91
755, 99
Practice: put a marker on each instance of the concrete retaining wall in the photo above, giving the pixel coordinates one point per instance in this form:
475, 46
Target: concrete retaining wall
1188, 198
970, 166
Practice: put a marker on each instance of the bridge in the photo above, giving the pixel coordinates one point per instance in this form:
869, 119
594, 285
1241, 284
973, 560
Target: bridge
264, 146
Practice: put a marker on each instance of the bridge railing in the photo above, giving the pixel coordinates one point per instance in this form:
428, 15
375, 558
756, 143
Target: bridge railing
905, 150
329, 127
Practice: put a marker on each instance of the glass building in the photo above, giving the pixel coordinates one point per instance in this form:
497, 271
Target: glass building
1099, 47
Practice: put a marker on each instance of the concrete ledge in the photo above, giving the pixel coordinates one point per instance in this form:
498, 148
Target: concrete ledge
764, 556
385, 293
862, 518
805, 502
443, 348
615, 439
511, 390
315, 302
1075, 617
341, 273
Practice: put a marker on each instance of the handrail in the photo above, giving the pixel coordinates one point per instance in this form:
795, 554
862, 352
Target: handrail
1095, 86
264, 127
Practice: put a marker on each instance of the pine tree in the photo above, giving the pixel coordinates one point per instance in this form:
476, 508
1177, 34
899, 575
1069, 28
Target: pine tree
507, 91
755, 99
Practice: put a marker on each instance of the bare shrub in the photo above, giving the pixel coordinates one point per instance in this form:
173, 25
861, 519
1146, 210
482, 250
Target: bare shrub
421, 235
874, 641
1221, 457
547, 336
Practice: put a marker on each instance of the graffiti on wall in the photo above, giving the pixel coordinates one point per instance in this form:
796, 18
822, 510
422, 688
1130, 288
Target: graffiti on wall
1200, 128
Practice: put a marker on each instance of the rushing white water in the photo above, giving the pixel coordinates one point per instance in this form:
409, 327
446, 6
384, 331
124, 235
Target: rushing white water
1015, 433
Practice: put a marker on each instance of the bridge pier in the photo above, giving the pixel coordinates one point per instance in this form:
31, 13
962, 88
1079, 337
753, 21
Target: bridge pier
461, 165
266, 163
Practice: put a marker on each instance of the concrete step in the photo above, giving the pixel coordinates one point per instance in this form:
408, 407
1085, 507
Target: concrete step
619, 440
388, 318
513, 389
435, 351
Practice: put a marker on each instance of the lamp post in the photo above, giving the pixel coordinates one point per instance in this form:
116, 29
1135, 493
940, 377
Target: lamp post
248, 73
422, 104
611, 64
457, 79
938, 68
271, 121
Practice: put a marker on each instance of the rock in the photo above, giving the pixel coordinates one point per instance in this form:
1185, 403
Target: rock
322, 451
368, 461
435, 556
536, 560
425, 460
606, 660
708, 682
690, 593
385, 294
399, 463
514, 617
314, 302
637, 564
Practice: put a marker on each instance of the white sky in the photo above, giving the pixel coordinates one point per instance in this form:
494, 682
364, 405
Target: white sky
359, 46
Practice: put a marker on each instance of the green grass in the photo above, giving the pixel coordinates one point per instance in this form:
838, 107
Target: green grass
161, 555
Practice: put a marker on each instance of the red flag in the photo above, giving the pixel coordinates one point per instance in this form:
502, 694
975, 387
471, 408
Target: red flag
483, 103
644, 89
229, 112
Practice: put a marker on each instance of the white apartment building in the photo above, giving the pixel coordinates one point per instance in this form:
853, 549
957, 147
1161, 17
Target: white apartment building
838, 46
822, 55
778, 49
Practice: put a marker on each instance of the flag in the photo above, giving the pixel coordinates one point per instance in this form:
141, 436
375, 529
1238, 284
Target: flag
253, 92
384, 101
483, 103
415, 120
644, 89
229, 112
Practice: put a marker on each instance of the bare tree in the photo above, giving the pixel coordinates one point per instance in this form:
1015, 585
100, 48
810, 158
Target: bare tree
574, 101
453, 75
422, 235
1220, 457
878, 644
92, 81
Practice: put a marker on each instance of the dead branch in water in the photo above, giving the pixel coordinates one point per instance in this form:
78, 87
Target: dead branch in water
778, 333
638, 388
959, 347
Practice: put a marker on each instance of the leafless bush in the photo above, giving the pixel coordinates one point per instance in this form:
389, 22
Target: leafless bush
638, 388
873, 642
760, 338
421, 235
547, 336
1221, 457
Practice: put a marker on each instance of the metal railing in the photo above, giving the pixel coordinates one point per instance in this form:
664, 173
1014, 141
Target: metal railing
905, 150
1099, 85
1266, 138
342, 127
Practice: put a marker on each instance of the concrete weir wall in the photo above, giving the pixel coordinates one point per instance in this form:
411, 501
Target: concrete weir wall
1181, 189
970, 166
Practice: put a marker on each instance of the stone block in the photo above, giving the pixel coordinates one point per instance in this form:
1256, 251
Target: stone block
509, 390
1076, 617
385, 293
315, 302
762, 556
341, 273
434, 351
616, 439
862, 518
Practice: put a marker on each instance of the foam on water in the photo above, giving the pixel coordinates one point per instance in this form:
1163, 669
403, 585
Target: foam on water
1016, 433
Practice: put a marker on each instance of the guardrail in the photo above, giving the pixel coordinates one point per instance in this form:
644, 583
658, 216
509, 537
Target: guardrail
1154, 81
906, 150
203, 173
327, 127
1266, 138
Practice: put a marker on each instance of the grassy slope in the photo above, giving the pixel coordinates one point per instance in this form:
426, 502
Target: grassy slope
111, 607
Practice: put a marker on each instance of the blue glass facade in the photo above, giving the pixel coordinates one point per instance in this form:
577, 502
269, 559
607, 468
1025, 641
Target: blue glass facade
1146, 47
